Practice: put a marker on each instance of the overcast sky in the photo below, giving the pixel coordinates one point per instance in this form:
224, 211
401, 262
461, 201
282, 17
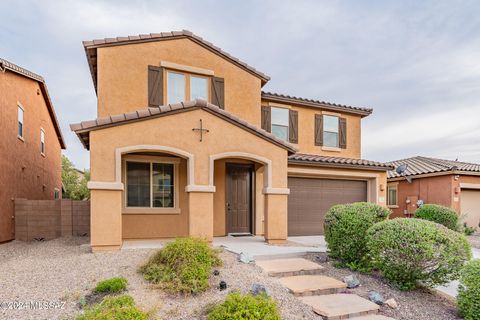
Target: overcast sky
417, 63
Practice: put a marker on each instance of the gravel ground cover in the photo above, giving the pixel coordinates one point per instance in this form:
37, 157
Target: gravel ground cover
474, 240
418, 304
63, 270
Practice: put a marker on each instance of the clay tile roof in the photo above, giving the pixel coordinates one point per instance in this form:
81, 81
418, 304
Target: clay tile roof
312, 159
83, 129
92, 45
424, 165
7, 65
277, 97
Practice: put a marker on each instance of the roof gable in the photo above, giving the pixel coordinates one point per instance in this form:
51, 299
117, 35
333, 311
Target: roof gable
91, 49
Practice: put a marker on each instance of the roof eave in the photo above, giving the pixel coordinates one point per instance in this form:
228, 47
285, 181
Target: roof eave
338, 165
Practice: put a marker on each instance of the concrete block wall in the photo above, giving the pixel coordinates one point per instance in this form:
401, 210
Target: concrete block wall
50, 219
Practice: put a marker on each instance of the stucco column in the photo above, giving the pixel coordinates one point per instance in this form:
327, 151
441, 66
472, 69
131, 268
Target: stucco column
276, 219
200, 211
105, 220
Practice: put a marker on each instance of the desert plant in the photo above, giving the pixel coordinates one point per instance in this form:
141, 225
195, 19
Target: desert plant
112, 285
245, 307
468, 298
410, 252
345, 229
114, 308
182, 266
467, 230
439, 214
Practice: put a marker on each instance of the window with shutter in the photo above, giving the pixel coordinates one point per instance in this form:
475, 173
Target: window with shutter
218, 92
293, 126
342, 123
266, 118
155, 86
318, 130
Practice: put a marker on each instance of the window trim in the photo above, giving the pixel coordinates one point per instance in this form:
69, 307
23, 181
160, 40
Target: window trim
187, 88
151, 210
42, 143
280, 125
331, 148
21, 137
393, 187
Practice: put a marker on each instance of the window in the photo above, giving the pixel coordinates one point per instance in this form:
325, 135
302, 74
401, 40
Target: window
175, 87
42, 141
20, 122
330, 131
280, 122
392, 196
150, 184
56, 194
198, 88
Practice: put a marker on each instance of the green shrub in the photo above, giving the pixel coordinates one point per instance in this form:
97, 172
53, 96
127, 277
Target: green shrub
410, 252
345, 229
182, 266
245, 307
114, 308
439, 214
112, 285
468, 298
467, 230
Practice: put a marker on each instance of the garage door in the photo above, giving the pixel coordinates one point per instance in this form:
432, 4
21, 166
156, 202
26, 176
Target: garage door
310, 199
470, 206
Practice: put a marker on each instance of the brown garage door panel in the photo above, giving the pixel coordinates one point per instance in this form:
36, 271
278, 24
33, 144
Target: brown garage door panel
310, 199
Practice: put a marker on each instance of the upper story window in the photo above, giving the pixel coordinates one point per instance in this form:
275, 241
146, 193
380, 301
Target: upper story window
330, 131
280, 122
185, 87
20, 122
392, 199
42, 141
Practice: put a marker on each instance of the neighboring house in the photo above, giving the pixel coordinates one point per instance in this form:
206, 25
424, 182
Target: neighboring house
448, 183
186, 143
30, 144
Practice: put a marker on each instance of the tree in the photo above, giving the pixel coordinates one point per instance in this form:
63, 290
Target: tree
74, 182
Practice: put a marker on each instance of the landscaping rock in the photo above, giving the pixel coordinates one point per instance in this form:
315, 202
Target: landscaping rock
376, 297
245, 258
258, 288
222, 286
351, 281
322, 258
392, 303
216, 272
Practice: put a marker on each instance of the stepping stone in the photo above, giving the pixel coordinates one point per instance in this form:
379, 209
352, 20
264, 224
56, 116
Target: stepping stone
289, 267
372, 317
340, 306
312, 285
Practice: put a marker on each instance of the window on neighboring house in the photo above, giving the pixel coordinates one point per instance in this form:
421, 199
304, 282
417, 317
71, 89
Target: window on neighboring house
392, 196
198, 88
330, 131
175, 87
150, 184
42, 141
20, 122
280, 122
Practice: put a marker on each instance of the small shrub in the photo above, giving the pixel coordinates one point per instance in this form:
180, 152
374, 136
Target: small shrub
182, 266
112, 285
345, 229
245, 307
439, 214
468, 299
467, 230
114, 308
410, 252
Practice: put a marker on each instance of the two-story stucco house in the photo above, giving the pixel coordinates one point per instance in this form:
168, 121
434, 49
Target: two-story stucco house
30, 144
186, 143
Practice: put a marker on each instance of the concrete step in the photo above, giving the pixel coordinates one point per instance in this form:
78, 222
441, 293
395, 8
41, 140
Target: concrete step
311, 285
289, 267
340, 306
372, 317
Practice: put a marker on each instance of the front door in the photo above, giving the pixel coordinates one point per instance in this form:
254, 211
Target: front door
238, 197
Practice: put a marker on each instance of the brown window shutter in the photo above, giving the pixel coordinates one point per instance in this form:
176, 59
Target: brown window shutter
293, 126
155, 86
266, 118
318, 130
218, 92
342, 130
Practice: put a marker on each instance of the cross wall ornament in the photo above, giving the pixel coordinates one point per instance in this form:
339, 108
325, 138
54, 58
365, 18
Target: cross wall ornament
201, 130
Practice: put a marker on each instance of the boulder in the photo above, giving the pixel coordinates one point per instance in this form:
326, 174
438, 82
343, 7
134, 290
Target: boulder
376, 297
258, 288
351, 281
391, 303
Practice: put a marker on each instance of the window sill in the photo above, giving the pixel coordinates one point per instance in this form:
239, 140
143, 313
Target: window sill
334, 149
151, 211
21, 138
393, 207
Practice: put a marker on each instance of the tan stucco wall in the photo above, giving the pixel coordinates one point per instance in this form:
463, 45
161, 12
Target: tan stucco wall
23, 170
306, 131
123, 76
105, 219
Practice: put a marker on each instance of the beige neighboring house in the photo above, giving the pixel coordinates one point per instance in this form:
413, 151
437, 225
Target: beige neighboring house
187, 143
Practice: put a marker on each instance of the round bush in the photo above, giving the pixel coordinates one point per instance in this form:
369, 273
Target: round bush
468, 299
438, 214
345, 228
245, 307
410, 252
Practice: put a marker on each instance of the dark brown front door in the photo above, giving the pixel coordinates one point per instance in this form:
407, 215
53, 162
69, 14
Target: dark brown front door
238, 198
